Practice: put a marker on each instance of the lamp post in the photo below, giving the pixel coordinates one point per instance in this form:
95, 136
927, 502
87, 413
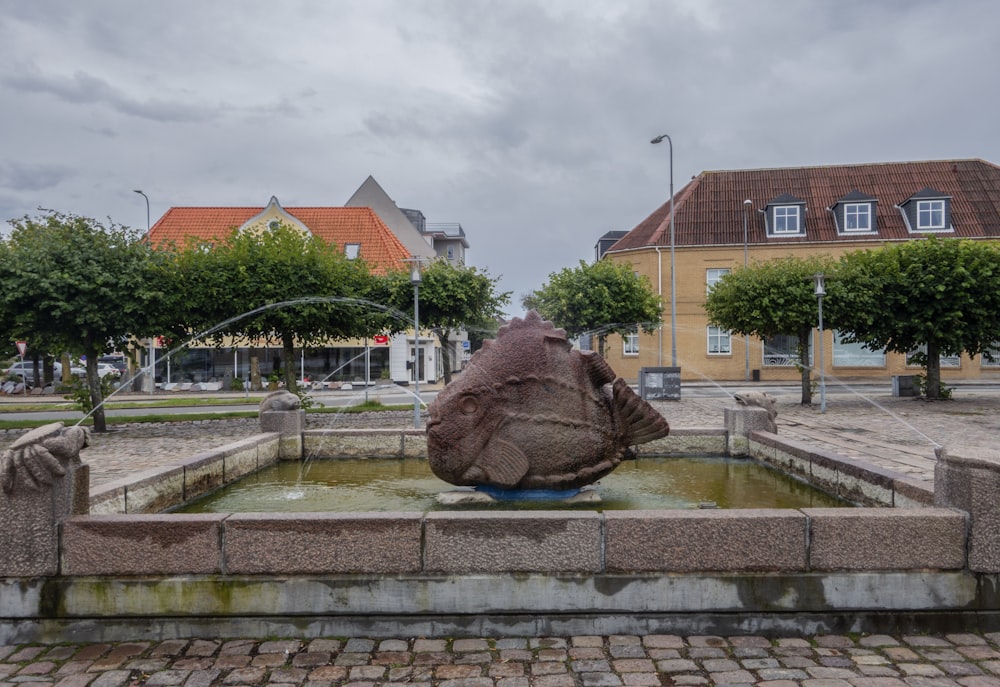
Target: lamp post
673, 270
152, 341
746, 263
820, 292
415, 280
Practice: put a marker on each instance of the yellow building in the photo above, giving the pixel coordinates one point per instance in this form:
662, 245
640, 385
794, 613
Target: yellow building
724, 220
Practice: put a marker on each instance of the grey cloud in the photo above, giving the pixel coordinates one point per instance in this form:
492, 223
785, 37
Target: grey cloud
32, 177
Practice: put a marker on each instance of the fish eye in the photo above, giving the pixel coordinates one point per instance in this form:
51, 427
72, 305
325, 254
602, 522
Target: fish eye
468, 405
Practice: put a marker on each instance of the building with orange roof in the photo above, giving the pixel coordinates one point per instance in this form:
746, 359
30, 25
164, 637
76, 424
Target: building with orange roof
726, 219
360, 233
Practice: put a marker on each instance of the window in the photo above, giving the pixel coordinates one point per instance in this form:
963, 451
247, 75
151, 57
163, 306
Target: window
994, 353
855, 354
952, 361
352, 250
930, 214
719, 341
858, 217
631, 343
781, 351
713, 275
786, 219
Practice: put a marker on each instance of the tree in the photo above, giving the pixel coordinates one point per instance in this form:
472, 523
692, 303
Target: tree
452, 297
599, 299
770, 299
80, 287
943, 294
290, 287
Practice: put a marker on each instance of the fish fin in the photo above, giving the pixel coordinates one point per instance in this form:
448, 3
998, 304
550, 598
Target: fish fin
598, 370
638, 420
504, 463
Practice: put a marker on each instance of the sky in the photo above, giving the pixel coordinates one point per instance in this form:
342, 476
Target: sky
529, 123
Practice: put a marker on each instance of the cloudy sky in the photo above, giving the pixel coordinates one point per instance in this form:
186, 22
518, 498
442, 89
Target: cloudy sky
527, 122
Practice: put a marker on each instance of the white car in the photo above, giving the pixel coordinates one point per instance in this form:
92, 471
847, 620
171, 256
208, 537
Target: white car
24, 370
105, 369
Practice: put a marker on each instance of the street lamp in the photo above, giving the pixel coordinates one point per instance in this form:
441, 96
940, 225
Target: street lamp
152, 342
673, 270
415, 280
820, 292
147, 207
746, 263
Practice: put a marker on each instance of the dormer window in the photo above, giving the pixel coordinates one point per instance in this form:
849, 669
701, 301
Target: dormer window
352, 250
927, 211
854, 213
785, 216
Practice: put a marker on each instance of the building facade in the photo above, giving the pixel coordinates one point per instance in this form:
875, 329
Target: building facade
724, 220
360, 233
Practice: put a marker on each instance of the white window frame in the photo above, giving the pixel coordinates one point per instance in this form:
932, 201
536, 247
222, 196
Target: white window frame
713, 275
930, 208
783, 214
995, 351
855, 355
949, 362
723, 339
857, 211
630, 344
789, 358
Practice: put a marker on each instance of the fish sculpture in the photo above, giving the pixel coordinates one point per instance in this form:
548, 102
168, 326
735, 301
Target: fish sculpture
529, 412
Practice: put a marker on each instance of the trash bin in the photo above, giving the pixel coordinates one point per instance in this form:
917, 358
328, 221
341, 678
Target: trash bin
905, 385
660, 383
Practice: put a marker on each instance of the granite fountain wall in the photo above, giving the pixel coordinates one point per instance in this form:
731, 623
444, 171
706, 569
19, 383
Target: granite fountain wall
117, 568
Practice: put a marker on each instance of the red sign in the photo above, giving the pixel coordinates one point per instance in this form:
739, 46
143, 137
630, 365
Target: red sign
380, 339
22, 346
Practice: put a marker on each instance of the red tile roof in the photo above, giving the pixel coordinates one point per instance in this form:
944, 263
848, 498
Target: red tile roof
709, 209
337, 225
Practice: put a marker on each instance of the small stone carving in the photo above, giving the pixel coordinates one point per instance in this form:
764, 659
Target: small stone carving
41, 455
280, 400
529, 412
759, 399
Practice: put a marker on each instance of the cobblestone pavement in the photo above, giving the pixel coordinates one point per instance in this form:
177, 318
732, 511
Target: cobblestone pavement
959, 660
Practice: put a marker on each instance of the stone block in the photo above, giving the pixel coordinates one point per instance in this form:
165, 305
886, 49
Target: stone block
740, 422
687, 441
305, 543
241, 458
414, 444
353, 443
512, 541
968, 478
109, 498
765, 540
203, 473
885, 539
155, 491
159, 544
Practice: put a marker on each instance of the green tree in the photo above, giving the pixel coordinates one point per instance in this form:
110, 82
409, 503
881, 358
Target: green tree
452, 297
599, 299
80, 287
295, 289
942, 294
772, 298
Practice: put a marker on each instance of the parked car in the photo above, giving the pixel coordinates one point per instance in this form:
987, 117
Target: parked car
116, 360
104, 369
24, 370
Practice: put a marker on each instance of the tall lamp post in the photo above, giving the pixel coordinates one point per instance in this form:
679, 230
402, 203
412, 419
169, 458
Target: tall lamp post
746, 263
415, 280
673, 270
820, 292
152, 341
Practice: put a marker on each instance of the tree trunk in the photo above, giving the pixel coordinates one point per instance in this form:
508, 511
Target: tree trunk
288, 351
254, 370
443, 335
96, 397
600, 344
806, 368
932, 390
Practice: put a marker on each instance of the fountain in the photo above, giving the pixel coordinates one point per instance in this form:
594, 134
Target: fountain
908, 560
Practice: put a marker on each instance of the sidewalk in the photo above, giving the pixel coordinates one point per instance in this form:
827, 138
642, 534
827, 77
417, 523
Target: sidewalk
955, 660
